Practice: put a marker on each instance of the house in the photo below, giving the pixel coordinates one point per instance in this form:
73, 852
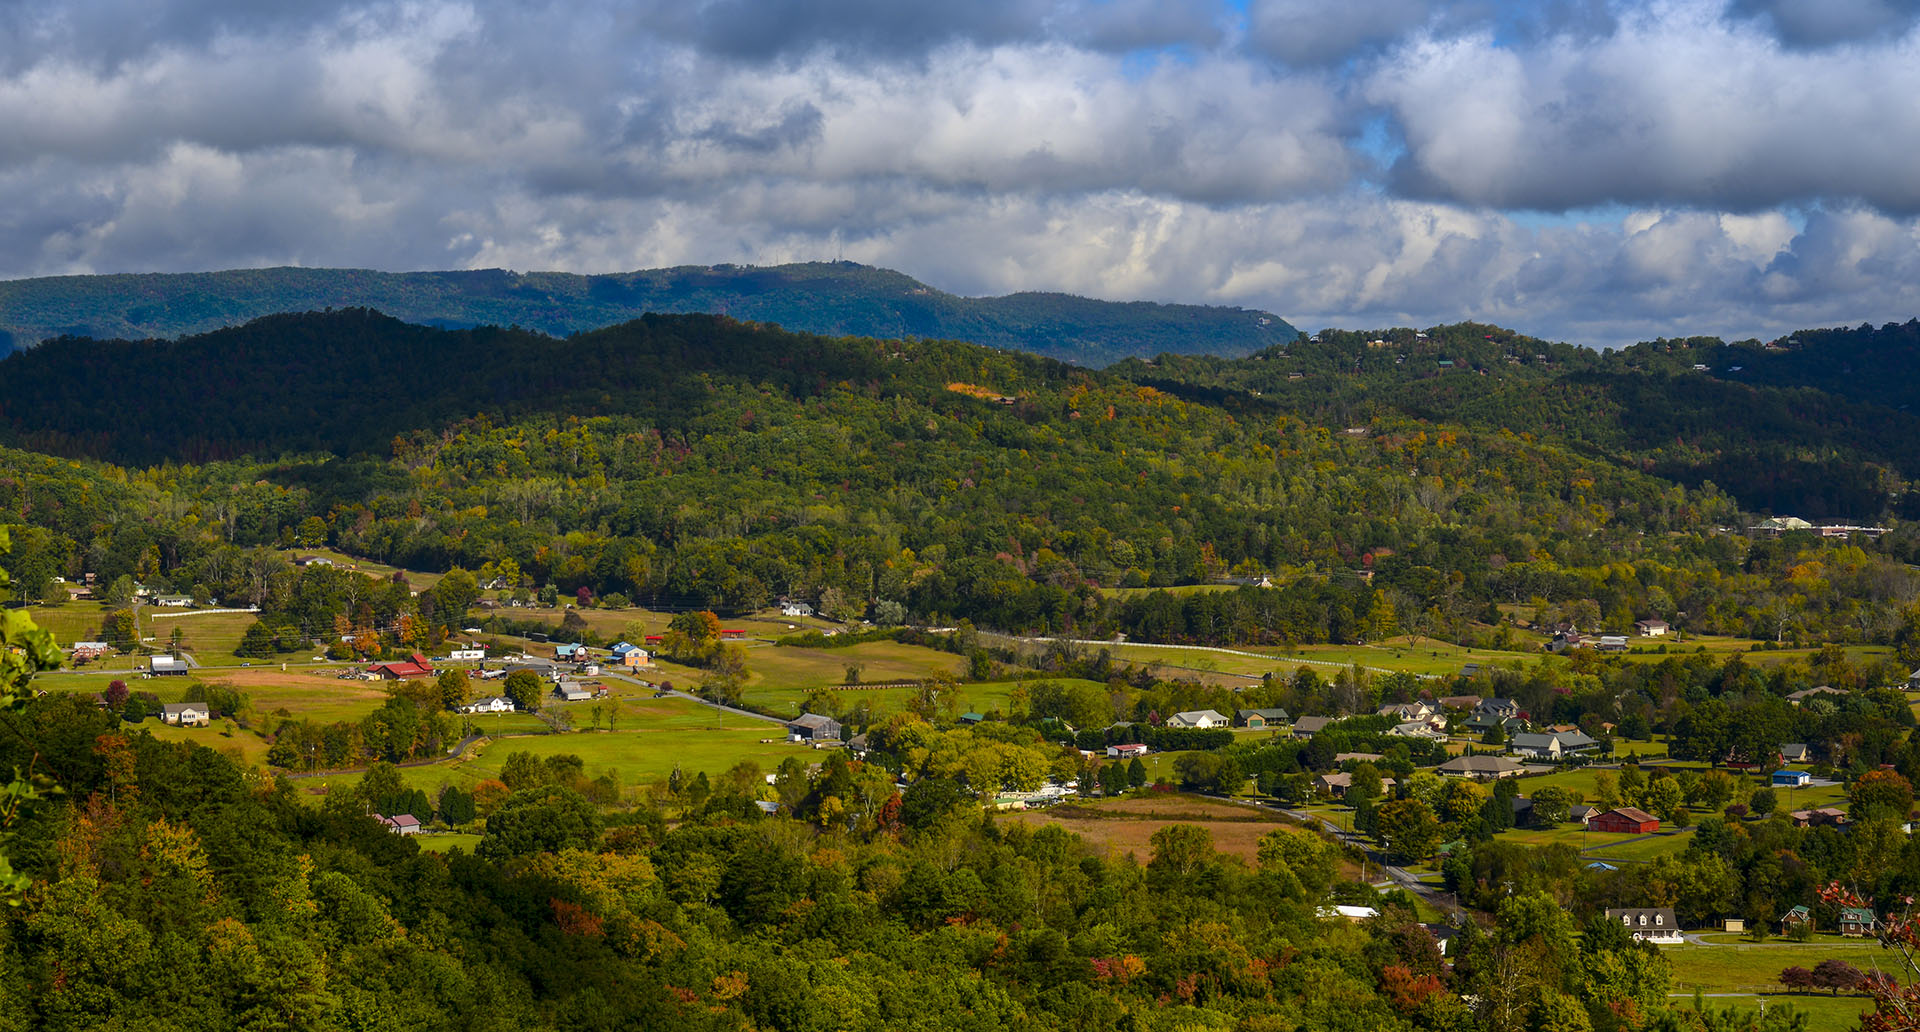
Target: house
1791, 779
1612, 643
1350, 913
1554, 745
1263, 718
1857, 922
1493, 711
1565, 640
814, 727
1461, 702
1418, 729
571, 691
1581, 813
1480, 768
1407, 711
1337, 783
413, 666
174, 601
1198, 718
1796, 752
1796, 916
1625, 820
572, 651
1357, 757
732, 634
631, 656
490, 704
1733, 924
186, 714
1913, 681
402, 824
970, 719
1307, 727
1650, 628
89, 650
312, 560
1539, 747
1121, 752
167, 666
1826, 815
1813, 693
796, 609
1648, 924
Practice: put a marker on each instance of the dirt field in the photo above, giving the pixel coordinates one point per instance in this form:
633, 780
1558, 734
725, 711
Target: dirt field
1125, 825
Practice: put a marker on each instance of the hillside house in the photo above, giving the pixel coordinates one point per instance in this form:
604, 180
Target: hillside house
413, 666
1418, 729
1128, 751
631, 656
796, 609
1612, 643
1796, 752
1625, 820
1469, 703
1650, 628
571, 691
1407, 711
1556, 745
167, 666
402, 824
1198, 719
1336, 784
85, 651
186, 714
1796, 916
814, 727
1857, 922
1307, 727
1791, 779
1827, 815
490, 704
1648, 924
572, 652
174, 601
1263, 718
1581, 813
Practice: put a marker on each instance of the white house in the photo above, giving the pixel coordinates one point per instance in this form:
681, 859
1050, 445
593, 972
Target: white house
402, 824
186, 714
796, 609
1650, 628
1418, 729
172, 665
1121, 752
1199, 718
490, 704
1405, 711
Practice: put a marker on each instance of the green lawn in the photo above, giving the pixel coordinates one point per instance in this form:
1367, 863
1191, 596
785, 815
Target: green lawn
1824, 1013
653, 736
443, 841
1751, 967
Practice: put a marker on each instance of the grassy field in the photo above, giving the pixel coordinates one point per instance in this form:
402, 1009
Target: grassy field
653, 736
1751, 967
1824, 1013
441, 842
1121, 826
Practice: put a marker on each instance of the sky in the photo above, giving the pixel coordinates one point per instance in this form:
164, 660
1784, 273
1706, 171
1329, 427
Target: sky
1597, 171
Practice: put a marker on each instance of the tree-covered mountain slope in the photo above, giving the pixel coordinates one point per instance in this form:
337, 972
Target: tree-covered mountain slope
836, 299
1821, 424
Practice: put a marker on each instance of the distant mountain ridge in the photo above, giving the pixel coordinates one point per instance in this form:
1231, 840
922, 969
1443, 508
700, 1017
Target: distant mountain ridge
829, 298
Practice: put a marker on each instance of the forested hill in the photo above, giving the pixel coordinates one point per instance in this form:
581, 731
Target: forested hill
835, 299
1823, 423
348, 381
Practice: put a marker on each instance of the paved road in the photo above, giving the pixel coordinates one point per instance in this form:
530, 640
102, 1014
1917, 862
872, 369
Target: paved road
735, 710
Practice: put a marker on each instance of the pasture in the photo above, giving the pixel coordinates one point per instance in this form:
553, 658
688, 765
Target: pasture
1126, 825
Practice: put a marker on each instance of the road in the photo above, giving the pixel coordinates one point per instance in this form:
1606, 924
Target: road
735, 710
1399, 877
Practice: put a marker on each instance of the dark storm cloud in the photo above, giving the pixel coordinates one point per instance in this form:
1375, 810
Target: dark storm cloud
1821, 23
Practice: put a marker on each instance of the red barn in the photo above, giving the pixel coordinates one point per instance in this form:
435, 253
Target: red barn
413, 666
1625, 820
